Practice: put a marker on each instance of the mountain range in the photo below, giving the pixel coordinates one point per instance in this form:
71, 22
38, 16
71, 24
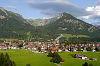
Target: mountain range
13, 25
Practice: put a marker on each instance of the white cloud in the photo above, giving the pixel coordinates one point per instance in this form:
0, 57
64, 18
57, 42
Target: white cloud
95, 12
53, 7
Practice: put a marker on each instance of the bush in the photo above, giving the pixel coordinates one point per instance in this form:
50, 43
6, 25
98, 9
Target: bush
90, 64
89, 49
97, 49
86, 64
28, 65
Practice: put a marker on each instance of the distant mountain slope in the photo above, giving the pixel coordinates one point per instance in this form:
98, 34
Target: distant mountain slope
12, 24
41, 22
67, 24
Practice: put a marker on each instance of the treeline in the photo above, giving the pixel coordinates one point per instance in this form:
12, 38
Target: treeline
5, 60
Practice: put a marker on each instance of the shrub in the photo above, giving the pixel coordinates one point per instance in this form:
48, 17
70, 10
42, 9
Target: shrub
28, 65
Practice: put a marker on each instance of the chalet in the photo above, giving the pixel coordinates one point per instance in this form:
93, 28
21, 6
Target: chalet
59, 50
53, 50
66, 50
93, 59
74, 50
93, 50
81, 56
62, 61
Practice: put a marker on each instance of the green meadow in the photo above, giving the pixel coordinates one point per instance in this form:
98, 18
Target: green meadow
8, 39
70, 61
71, 36
23, 57
67, 36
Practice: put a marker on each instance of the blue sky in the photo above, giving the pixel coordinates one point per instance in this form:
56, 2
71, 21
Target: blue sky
87, 9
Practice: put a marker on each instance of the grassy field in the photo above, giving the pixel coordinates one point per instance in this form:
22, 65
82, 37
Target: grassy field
70, 61
75, 36
71, 36
23, 57
8, 39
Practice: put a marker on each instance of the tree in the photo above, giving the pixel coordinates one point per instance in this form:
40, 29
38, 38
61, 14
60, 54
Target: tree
55, 57
50, 54
39, 49
90, 64
28, 65
85, 64
97, 49
5, 60
89, 49
79, 49
20, 45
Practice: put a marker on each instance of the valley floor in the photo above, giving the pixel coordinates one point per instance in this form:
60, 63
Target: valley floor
23, 57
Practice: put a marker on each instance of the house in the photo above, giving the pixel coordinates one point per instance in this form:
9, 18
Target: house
66, 50
93, 59
59, 50
81, 56
74, 50
93, 50
53, 50
62, 61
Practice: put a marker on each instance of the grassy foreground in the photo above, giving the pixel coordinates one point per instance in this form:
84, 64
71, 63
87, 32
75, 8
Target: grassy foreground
23, 57
70, 61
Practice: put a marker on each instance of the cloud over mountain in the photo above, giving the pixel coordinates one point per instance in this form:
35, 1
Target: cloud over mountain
58, 6
53, 7
95, 12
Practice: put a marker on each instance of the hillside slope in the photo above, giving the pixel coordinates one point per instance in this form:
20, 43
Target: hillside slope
12, 25
67, 24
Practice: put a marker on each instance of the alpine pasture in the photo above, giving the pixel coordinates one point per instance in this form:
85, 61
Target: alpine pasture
23, 57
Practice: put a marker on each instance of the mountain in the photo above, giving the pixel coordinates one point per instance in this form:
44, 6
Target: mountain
12, 25
37, 22
41, 22
64, 23
67, 24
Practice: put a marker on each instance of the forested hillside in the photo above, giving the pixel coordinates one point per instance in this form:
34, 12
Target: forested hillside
13, 25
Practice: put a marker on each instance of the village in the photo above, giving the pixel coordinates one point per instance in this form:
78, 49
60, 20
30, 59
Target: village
43, 47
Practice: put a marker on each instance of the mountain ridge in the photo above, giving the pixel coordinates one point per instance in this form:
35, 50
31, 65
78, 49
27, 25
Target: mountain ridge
13, 25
